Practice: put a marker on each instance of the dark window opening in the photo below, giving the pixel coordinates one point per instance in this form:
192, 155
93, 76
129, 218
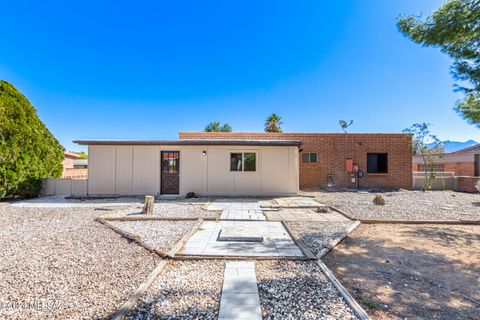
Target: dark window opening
309, 157
377, 163
235, 162
250, 162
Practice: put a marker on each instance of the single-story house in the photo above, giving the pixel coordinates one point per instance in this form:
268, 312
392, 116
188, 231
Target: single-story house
464, 162
248, 163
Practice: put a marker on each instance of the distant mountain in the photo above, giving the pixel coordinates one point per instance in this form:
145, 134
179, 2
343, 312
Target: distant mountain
451, 146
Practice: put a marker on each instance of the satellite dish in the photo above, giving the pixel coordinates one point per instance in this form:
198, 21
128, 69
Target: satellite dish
345, 125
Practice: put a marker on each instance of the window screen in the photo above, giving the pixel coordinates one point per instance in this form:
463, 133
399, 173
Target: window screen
377, 163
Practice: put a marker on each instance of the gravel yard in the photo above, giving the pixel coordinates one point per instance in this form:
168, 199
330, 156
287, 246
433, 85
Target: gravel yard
406, 205
184, 290
298, 290
182, 208
317, 235
158, 234
411, 271
58, 263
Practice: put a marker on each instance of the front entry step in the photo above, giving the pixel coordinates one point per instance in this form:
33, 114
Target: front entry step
240, 233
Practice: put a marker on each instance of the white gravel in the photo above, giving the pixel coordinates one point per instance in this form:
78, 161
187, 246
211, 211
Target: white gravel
184, 290
406, 205
317, 235
58, 263
160, 235
182, 208
298, 290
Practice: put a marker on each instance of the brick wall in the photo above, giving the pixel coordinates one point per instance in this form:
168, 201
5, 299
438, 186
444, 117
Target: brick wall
467, 184
333, 149
461, 168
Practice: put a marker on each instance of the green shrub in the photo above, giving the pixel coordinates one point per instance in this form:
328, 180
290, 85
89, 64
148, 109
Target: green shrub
378, 200
28, 151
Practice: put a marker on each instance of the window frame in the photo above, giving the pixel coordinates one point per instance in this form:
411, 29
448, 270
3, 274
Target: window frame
310, 157
380, 173
243, 161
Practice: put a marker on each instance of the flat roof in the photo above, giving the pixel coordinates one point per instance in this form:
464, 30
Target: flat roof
194, 142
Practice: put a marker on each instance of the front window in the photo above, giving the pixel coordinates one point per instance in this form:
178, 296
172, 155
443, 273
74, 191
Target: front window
235, 162
243, 161
377, 163
309, 157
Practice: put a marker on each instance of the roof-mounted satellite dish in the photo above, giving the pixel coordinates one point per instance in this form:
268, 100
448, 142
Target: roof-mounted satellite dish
345, 125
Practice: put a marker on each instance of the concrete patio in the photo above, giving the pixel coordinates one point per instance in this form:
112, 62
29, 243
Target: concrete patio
276, 241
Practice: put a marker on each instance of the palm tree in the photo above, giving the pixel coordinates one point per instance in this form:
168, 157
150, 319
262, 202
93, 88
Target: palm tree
273, 123
217, 127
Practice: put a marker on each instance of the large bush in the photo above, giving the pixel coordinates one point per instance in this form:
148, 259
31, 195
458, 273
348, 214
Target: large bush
28, 151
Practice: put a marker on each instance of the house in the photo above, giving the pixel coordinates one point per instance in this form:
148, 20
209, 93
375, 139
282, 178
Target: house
216, 167
464, 162
73, 166
68, 159
248, 163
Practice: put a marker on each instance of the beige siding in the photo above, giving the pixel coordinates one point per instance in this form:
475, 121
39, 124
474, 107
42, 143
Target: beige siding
146, 170
136, 170
124, 170
101, 170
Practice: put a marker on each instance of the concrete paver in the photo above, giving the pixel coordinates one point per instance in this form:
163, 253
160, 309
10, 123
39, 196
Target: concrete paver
240, 299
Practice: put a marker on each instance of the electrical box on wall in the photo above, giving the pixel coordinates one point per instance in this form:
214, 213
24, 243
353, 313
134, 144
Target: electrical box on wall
349, 165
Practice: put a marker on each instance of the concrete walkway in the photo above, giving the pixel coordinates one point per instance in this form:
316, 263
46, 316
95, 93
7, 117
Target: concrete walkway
238, 209
240, 299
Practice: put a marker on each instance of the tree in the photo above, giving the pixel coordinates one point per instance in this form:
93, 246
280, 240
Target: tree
217, 127
83, 155
273, 123
455, 29
28, 151
426, 145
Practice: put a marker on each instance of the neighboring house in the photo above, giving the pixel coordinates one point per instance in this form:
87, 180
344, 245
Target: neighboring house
68, 159
73, 166
248, 163
464, 162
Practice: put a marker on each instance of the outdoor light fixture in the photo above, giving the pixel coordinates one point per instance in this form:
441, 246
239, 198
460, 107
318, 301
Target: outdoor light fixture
204, 152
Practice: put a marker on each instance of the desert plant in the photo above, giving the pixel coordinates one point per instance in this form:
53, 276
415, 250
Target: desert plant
426, 145
28, 151
378, 200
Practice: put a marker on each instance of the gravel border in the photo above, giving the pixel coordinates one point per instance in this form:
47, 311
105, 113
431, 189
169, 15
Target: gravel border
161, 235
406, 205
184, 290
298, 290
58, 263
318, 235
170, 209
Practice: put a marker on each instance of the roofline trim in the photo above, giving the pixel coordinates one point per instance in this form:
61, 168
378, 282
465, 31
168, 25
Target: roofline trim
193, 142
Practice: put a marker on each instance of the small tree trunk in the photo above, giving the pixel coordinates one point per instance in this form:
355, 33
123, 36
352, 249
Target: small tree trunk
148, 205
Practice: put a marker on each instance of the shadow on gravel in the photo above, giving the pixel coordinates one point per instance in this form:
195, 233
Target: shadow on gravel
422, 272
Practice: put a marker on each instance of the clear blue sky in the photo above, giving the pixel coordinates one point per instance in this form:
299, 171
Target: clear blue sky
149, 69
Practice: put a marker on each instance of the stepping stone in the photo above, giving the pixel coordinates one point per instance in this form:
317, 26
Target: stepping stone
240, 299
240, 233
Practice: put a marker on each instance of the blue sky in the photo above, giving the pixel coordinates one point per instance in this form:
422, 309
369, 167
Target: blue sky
149, 69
